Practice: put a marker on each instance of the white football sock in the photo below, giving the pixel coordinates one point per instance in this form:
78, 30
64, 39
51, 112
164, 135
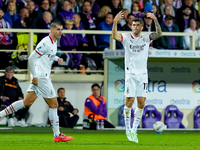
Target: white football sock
12, 108
53, 117
127, 118
137, 117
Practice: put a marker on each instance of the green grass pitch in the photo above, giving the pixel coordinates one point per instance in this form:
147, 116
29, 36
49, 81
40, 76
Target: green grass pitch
41, 138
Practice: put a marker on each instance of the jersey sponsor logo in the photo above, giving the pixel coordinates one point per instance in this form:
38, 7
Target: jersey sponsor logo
137, 48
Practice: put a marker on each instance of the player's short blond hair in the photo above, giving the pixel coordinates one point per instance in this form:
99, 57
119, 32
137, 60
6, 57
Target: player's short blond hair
55, 23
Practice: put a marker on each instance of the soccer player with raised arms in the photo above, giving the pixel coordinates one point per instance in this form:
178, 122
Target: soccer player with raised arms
136, 47
40, 62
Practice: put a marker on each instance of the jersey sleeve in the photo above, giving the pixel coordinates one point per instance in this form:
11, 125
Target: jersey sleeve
148, 38
123, 36
41, 48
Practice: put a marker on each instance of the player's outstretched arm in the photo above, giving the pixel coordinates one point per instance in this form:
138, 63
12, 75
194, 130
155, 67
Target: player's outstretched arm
116, 35
158, 33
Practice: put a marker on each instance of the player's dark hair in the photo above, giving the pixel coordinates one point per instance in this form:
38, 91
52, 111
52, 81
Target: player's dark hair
95, 84
138, 20
55, 23
60, 89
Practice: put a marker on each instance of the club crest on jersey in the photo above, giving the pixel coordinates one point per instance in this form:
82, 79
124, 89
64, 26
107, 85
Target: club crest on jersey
39, 48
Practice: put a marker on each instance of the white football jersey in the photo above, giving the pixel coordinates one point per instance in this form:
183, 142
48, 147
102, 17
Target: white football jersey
47, 50
136, 52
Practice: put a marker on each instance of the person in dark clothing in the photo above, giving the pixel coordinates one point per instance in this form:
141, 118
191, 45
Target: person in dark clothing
183, 21
24, 22
128, 25
44, 23
10, 92
89, 21
64, 110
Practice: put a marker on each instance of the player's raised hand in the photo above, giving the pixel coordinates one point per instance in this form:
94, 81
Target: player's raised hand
119, 16
151, 15
35, 81
60, 61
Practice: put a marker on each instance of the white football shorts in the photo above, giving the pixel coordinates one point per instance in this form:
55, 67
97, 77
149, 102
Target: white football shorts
136, 85
44, 88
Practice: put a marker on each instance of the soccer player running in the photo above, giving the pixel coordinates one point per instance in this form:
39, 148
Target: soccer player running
40, 62
136, 47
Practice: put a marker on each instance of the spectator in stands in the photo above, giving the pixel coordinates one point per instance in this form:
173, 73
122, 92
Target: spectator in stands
115, 7
55, 6
5, 37
82, 40
128, 25
104, 40
11, 15
167, 3
69, 42
95, 7
6, 41
193, 27
148, 24
75, 7
32, 13
153, 2
65, 108
136, 10
150, 27
18, 3
45, 7
177, 4
170, 42
124, 20
167, 11
44, 23
66, 12
10, 92
156, 11
89, 21
102, 14
24, 21
183, 21
189, 3
96, 105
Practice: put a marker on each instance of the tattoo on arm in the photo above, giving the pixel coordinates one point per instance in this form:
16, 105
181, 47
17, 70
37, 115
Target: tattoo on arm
158, 33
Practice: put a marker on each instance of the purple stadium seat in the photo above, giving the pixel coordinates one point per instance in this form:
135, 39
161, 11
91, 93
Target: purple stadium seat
173, 117
197, 117
121, 116
150, 116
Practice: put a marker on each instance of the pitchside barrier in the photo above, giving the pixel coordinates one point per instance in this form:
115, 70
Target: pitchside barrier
173, 76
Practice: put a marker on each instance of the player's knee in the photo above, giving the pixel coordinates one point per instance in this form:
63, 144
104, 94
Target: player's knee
141, 105
27, 104
130, 102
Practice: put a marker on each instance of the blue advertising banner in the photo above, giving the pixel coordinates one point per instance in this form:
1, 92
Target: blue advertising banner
176, 83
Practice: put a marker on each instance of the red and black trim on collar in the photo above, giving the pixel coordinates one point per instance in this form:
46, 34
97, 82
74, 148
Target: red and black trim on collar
51, 39
134, 37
